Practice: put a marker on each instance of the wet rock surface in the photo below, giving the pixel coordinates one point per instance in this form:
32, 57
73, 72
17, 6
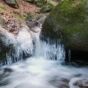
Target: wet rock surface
68, 21
12, 43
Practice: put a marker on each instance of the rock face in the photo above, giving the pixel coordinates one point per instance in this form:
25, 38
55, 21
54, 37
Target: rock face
15, 46
12, 3
69, 21
4, 45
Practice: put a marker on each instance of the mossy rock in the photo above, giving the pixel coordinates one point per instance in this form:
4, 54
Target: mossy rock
38, 2
12, 3
46, 8
69, 21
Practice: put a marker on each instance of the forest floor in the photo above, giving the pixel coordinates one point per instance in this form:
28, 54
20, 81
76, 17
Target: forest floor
9, 13
20, 13
14, 17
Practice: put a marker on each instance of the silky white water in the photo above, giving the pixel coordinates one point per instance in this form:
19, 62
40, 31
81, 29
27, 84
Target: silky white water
43, 69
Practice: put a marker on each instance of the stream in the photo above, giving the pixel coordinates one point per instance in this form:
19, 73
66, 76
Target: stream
42, 69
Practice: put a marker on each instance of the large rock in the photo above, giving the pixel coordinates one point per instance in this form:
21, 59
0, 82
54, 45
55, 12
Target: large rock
15, 47
69, 21
6, 42
12, 3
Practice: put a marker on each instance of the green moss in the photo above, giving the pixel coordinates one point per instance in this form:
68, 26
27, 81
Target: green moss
29, 16
70, 20
2, 7
38, 2
46, 8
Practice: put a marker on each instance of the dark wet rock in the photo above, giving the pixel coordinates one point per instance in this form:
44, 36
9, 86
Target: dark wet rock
35, 24
31, 23
77, 57
68, 21
4, 73
7, 46
8, 70
11, 48
12, 3
38, 2
60, 83
3, 79
46, 8
5, 43
79, 83
4, 83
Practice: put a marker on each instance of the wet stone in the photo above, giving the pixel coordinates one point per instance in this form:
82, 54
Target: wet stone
8, 70
60, 83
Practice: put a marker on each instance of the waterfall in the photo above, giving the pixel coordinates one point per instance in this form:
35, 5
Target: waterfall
27, 43
42, 67
54, 51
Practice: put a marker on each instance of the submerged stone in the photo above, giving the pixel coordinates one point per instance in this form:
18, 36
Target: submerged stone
15, 47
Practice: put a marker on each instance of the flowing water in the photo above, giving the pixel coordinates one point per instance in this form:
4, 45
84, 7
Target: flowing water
43, 69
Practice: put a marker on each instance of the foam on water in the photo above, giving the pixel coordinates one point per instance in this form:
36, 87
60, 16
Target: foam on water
43, 69
24, 40
39, 72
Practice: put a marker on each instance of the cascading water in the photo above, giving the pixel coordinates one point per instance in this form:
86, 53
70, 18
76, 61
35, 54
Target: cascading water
19, 46
43, 69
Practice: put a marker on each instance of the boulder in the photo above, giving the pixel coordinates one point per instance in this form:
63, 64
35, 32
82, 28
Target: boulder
12, 3
46, 8
6, 42
16, 46
38, 2
69, 22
